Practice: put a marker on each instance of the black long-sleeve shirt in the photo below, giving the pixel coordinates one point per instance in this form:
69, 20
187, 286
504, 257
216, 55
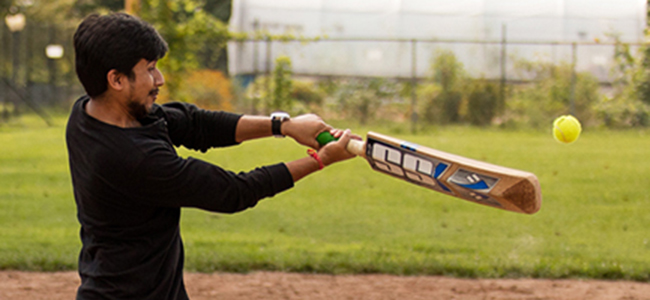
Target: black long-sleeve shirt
129, 185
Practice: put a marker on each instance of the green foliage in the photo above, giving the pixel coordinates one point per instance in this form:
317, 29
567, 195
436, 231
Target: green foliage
221, 9
550, 94
282, 85
86, 7
448, 71
188, 29
329, 86
208, 89
482, 102
282, 93
449, 103
360, 99
620, 112
309, 98
263, 35
46, 22
455, 98
449, 74
306, 92
256, 93
426, 93
4, 6
643, 72
629, 104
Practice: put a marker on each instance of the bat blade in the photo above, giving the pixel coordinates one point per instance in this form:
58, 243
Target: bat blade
454, 175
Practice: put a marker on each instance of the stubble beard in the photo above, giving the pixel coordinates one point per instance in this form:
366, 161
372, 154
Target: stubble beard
137, 109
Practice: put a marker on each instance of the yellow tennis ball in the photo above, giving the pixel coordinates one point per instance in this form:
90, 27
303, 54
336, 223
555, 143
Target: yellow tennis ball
566, 129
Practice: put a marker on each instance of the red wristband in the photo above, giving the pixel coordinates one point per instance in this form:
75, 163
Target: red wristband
314, 154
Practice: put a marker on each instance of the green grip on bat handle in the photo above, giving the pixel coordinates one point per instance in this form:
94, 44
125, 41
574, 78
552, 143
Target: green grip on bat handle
325, 138
354, 146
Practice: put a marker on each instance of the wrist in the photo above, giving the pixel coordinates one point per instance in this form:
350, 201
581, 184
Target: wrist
316, 157
284, 127
325, 158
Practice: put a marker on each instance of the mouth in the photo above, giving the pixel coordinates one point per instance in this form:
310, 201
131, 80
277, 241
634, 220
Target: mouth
154, 93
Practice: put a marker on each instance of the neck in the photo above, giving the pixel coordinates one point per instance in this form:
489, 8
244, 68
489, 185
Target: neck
111, 111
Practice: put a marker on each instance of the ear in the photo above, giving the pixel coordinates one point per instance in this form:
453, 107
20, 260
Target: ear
116, 80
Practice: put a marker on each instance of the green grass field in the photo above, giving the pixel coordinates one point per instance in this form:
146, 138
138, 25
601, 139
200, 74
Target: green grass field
350, 219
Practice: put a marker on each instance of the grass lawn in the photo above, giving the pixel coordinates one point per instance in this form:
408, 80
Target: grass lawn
350, 219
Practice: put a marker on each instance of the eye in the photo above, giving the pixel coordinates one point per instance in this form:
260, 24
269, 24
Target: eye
152, 66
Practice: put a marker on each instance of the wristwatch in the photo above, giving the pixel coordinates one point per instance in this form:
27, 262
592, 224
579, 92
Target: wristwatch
276, 122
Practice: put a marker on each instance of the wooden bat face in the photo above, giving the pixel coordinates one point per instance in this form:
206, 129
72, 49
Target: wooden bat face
457, 176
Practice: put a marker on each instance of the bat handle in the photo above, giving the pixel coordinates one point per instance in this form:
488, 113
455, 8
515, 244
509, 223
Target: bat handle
355, 147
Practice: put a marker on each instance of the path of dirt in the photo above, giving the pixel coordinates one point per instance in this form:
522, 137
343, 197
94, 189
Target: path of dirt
276, 285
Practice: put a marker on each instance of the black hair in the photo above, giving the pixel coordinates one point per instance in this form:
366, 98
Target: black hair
115, 41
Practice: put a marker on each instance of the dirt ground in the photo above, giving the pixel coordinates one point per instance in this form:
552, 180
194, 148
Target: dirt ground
275, 285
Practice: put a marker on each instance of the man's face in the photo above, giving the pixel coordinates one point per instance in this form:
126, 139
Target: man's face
143, 88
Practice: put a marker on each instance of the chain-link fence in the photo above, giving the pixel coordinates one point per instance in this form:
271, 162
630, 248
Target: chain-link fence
31, 79
36, 68
408, 59
411, 59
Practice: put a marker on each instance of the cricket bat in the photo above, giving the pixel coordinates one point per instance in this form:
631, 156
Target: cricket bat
450, 174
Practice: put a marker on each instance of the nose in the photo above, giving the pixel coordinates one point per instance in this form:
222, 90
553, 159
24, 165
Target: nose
159, 79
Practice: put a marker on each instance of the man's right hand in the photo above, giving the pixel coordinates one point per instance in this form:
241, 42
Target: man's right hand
328, 154
336, 151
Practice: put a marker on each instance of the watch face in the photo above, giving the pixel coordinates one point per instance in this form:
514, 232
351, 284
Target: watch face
280, 115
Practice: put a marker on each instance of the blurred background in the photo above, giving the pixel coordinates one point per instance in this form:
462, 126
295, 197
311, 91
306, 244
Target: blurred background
507, 63
480, 78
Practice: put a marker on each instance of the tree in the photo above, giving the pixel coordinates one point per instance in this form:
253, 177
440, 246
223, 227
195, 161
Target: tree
643, 84
217, 58
361, 99
281, 98
449, 73
482, 102
86, 7
188, 28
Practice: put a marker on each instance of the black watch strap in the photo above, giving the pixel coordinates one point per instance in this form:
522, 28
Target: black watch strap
276, 123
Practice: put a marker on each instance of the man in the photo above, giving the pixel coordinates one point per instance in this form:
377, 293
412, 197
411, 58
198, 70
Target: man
129, 183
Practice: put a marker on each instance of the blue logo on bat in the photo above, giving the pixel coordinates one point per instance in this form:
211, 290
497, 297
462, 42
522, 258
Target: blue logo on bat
440, 169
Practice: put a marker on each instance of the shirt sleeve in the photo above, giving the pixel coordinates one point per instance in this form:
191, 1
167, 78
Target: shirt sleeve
199, 129
164, 179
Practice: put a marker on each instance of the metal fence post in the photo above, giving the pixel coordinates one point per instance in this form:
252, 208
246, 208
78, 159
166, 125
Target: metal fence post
502, 86
414, 83
574, 60
256, 68
4, 95
52, 68
15, 63
268, 70
29, 63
